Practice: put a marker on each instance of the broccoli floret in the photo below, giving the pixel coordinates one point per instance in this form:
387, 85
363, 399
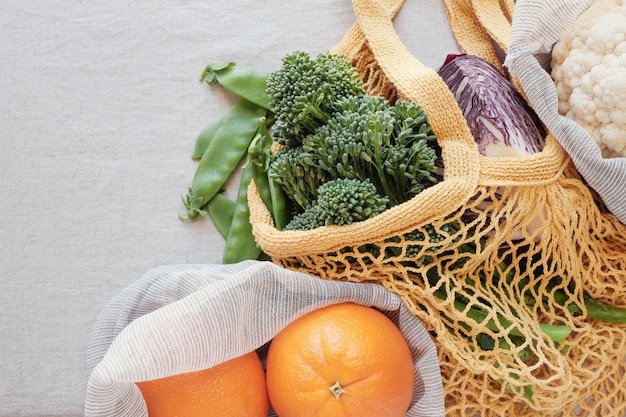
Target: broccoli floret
307, 220
362, 104
304, 91
340, 201
411, 161
330, 129
411, 123
409, 170
298, 179
346, 200
366, 138
339, 147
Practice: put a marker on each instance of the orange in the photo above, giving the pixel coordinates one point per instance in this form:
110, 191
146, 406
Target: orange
341, 360
233, 388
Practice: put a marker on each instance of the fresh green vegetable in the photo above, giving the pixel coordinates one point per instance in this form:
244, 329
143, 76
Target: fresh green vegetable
306, 220
304, 91
366, 139
221, 209
341, 201
298, 179
256, 158
526, 390
240, 243
206, 135
556, 333
348, 200
319, 107
604, 312
499, 118
259, 154
222, 155
246, 82
595, 309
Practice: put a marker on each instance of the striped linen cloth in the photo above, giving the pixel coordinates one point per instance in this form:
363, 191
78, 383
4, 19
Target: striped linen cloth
184, 318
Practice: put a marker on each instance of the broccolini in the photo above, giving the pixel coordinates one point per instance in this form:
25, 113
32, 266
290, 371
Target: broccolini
345, 155
347, 200
298, 179
306, 220
303, 93
341, 201
369, 139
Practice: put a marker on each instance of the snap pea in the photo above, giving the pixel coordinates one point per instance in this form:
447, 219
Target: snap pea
221, 209
271, 193
279, 205
259, 175
223, 154
240, 243
206, 135
246, 82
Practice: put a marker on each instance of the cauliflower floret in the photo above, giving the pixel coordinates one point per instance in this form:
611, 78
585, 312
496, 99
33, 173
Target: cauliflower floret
589, 71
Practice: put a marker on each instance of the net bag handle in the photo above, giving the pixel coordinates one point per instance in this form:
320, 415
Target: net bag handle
354, 40
478, 26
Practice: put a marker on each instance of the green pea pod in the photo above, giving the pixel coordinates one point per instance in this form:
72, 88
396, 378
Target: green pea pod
247, 82
262, 182
240, 243
206, 135
223, 154
279, 205
271, 192
221, 209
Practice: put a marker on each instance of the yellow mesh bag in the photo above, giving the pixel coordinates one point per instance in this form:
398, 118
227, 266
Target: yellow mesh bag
521, 243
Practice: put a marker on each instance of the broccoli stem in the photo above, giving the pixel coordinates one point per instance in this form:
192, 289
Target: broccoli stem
601, 311
393, 199
556, 333
527, 390
595, 308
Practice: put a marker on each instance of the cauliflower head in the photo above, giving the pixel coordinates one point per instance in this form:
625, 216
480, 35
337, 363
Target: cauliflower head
589, 72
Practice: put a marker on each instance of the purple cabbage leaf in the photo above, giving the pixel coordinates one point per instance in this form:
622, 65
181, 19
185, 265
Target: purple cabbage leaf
502, 123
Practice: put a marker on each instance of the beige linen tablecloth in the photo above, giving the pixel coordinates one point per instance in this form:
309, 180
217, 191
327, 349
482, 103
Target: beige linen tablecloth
99, 108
